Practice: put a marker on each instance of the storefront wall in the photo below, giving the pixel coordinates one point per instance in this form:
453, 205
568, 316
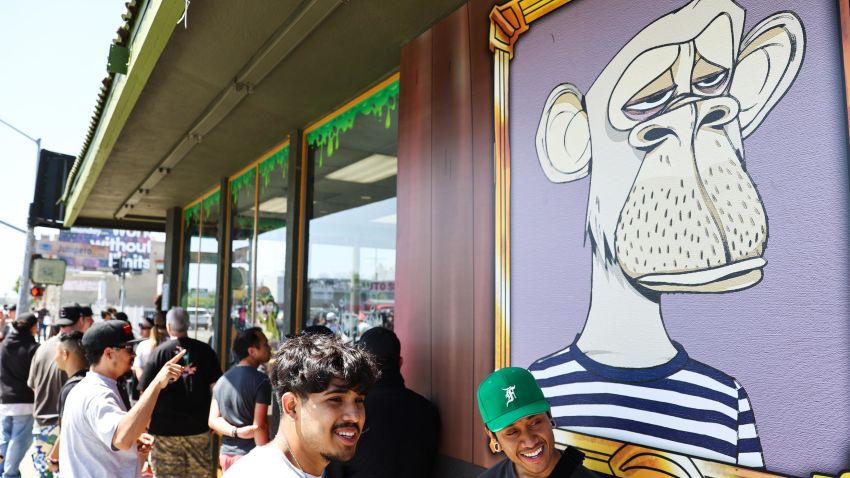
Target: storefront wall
445, 231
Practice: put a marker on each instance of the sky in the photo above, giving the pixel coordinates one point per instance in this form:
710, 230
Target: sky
52, 60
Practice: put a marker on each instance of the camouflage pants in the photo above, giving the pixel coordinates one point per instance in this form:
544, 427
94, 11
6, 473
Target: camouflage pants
43, 439
181, 456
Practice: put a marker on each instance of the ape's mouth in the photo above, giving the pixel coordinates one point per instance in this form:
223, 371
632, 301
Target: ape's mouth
737, 275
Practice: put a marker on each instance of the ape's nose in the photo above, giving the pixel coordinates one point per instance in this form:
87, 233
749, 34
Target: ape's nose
715, 112
682, 120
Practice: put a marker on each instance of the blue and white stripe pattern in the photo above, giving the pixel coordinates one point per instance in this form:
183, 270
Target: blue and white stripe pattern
682, 406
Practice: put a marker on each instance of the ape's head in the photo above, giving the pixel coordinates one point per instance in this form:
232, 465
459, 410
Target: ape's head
662, 129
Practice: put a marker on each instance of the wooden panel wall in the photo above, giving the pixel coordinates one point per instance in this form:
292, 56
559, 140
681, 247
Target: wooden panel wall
444, 271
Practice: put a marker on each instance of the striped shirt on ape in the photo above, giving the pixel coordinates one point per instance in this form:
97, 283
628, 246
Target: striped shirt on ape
683, 406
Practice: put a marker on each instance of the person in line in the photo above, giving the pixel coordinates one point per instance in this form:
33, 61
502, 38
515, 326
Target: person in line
100, 436
48, 326
46, 380
241, 399
518, 421
151, 337
321, 384
71, 359
42, 325
179, 422
16, 398
6, 327
392, 411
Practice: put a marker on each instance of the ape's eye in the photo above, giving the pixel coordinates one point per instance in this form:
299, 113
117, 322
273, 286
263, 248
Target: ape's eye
713, 82
642, 108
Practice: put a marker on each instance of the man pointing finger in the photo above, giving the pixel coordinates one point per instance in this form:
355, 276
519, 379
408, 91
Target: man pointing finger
99, 435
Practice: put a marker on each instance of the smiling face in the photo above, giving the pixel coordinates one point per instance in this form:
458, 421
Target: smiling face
530, 444
330, 422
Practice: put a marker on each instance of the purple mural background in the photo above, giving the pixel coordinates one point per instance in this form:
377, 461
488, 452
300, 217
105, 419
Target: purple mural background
787, 339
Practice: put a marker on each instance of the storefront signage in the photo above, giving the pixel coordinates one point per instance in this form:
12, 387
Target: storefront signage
132, 247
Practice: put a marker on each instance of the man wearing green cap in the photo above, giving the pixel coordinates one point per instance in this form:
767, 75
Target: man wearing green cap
518, 422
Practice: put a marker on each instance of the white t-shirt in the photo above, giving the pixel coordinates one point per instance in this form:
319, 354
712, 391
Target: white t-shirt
92, 412
15, 409
143, 351
259, 462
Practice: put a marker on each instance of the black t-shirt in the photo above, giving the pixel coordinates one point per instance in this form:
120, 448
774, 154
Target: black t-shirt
237, 393
183, 407
569, 466
66, 389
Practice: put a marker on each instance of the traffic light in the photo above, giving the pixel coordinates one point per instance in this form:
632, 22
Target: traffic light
116, 266
37, 291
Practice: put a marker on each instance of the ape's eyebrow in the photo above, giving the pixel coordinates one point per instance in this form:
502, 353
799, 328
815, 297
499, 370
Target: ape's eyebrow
663, 82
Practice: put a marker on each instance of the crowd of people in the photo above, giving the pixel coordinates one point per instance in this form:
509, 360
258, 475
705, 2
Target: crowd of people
95, 400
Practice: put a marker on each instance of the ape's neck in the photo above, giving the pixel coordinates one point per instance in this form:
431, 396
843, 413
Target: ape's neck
624, 328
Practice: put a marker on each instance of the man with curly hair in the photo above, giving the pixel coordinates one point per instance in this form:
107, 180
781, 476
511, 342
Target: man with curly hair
321, 384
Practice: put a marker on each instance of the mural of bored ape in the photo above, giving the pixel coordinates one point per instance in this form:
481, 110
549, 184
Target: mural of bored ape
661, 134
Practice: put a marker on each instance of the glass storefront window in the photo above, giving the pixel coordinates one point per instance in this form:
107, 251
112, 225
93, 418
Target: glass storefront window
200, 264
352, 231
203, 316
189, 256
242, 200
271, 245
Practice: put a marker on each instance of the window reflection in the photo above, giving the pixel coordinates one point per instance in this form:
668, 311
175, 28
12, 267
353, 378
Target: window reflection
202, 318
242, 197
199, 265
271, 246
189, 256
351, 263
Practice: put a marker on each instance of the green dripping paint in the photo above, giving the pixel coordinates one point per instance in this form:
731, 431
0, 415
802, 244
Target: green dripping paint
277, 160
326, 137
236, 185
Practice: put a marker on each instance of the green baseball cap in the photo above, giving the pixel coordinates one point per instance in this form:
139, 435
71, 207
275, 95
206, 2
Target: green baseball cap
507, 395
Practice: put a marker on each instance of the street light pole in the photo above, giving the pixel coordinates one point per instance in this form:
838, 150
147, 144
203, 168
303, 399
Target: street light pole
23, 287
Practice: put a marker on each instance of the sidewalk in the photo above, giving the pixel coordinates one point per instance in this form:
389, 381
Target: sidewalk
27, 471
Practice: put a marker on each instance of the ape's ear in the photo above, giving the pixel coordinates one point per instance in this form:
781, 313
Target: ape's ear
770, 58
563, 136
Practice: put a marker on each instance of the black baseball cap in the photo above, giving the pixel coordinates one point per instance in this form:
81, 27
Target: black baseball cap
85, 311
69, 314
109, 333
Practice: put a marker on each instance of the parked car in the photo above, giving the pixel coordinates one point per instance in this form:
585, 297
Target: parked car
199, 317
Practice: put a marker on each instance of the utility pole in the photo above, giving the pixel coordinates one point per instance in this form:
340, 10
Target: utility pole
23, 288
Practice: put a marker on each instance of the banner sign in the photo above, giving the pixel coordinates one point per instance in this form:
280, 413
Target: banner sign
132, 247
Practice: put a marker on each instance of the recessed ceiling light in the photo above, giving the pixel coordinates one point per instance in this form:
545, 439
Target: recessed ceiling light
370, 169
365, 198
274, 205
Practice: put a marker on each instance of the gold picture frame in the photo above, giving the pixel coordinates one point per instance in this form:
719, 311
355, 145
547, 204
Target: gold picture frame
508, 22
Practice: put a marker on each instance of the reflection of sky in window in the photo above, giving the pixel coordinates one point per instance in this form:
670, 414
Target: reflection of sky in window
207, 271
332, 241
271, 260
334, 237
